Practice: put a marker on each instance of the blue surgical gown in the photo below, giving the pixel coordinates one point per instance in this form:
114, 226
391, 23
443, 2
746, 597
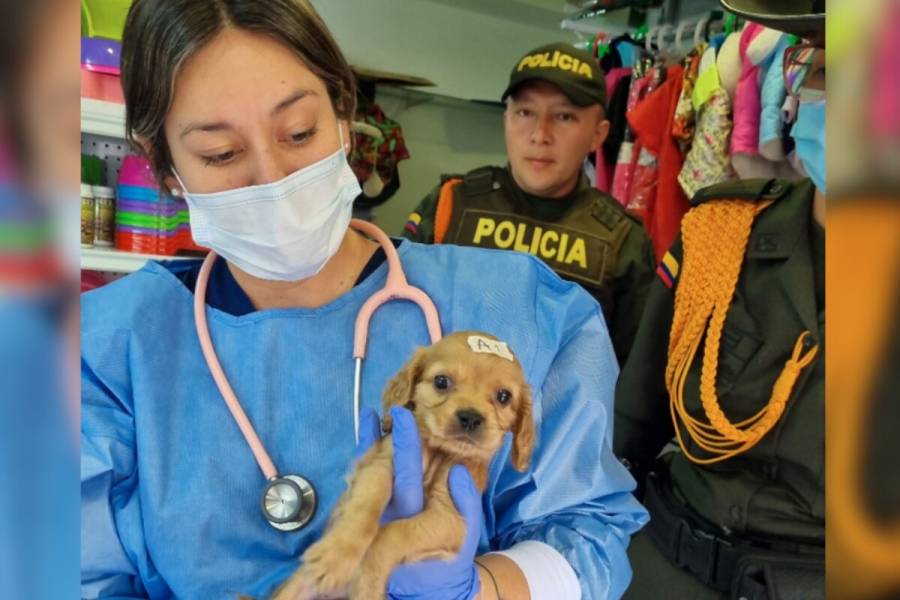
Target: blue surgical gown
171, 492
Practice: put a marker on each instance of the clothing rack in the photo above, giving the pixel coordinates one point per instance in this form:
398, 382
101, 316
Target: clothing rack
682, 37
581, 20
595, 8
590, 29
685, 35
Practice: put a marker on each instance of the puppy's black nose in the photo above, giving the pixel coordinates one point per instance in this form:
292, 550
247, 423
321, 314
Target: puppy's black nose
469, 419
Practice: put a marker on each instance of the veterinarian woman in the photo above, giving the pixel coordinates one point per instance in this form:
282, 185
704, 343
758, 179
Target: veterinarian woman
242, 107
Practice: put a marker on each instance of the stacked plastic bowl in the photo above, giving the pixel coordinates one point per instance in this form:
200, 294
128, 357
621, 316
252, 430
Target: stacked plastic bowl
100, 69
148, 220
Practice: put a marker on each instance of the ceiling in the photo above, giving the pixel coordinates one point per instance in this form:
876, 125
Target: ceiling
541, 13
548, 13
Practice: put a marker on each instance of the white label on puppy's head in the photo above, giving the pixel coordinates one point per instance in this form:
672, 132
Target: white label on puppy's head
482, 344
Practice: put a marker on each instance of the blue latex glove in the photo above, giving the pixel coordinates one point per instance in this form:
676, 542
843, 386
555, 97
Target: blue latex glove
456, 579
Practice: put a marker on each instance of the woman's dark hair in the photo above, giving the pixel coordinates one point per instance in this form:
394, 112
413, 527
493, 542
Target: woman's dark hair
160, 35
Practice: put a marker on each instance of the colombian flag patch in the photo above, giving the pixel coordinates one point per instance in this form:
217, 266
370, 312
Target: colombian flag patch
668, 270
412, 225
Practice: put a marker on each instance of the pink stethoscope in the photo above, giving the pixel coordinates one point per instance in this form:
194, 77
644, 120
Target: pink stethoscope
289, 501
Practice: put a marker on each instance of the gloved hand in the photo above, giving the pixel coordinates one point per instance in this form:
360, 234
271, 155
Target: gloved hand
407, 497
455, 579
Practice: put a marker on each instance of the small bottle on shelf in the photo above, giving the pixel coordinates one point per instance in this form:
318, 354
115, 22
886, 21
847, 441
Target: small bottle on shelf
104, 216
87, 216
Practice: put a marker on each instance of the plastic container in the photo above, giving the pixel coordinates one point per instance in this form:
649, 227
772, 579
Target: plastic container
91, 280
101, 86
93, 170
101, 55
137, 171
137, 217
104, 18
100, 69
147, 220
104, 216
87, 216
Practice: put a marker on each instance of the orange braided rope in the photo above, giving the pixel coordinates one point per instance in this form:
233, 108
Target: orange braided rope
715, 238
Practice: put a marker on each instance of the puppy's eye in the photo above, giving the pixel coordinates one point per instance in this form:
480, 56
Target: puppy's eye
442, 383
504, 396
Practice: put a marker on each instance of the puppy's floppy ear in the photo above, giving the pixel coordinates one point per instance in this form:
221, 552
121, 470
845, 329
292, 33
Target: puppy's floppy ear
523, 432
399, 390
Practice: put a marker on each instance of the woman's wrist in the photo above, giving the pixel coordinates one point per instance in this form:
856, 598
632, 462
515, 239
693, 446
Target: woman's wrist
501, 578
489, 588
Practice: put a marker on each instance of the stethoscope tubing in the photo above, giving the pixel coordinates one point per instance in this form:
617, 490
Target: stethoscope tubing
396, 288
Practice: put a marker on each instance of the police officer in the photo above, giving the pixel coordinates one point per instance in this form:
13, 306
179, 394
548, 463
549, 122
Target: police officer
729, 365
541, 202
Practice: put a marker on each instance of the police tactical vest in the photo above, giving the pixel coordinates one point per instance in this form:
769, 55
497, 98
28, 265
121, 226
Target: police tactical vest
582, 245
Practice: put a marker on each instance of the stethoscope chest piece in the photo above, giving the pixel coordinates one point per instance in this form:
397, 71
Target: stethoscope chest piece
288, 502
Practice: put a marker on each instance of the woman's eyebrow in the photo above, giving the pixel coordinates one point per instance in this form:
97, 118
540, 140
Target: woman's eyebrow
222, 125
206, 127
292, 99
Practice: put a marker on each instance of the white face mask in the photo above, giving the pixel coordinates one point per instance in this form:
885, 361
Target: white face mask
286, 230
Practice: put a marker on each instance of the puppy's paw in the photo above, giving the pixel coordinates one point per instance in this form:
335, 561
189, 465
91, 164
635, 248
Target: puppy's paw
365, 587
329, 564
370, 579
294, 589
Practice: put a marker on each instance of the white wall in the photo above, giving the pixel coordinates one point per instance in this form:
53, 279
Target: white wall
444, 135
467, 53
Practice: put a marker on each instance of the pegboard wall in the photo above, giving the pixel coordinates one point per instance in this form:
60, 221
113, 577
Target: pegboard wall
110, 149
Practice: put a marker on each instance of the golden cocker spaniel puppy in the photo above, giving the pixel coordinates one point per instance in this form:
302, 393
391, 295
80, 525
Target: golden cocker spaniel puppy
466, 391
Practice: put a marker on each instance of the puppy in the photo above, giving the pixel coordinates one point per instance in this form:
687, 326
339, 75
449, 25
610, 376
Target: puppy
465, 391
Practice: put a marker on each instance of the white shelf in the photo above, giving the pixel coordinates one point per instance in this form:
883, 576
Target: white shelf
108, 119
117, 261
102, 118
